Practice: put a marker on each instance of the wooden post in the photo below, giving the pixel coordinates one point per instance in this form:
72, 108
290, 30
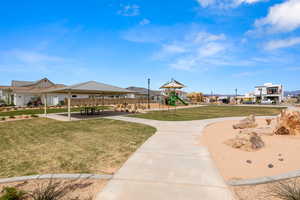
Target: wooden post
45, 105
69, 105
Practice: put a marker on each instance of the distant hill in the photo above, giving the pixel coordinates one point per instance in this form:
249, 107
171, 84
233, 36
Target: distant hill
293, 93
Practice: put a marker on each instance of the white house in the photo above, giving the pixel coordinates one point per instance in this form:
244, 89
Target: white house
22, 93
269, 91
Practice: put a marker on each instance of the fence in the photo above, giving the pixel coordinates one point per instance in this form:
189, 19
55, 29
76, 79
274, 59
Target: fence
99, 101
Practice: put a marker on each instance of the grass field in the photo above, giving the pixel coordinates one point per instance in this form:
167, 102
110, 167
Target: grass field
41, 111
207, 112
40, 146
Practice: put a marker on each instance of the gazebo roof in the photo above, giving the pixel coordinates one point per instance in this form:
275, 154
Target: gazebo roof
173, 84
90, 87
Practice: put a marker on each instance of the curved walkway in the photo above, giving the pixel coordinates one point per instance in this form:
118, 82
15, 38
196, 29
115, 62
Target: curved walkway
169, 165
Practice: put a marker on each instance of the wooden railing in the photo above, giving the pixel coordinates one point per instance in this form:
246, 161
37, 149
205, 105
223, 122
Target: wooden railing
99, 101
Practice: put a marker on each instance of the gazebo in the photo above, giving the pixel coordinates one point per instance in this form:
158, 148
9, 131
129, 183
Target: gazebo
88, 88
173, 84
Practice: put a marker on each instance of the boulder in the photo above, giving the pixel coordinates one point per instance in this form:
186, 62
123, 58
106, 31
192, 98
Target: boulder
268, 121
247, 142
248, 122
259, 130
288, 123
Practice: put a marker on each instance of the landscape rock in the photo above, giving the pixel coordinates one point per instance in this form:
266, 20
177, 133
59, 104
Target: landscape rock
248, 122
269, 121
247, 142
260, 130
270, 165
288, 123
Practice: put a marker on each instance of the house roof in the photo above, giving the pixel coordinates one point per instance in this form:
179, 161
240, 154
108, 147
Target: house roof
15, 83
90, 87
31, 86
144, 91
173, 84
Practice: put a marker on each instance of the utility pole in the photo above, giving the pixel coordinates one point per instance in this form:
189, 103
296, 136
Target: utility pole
260, 90
236, 90
148, 93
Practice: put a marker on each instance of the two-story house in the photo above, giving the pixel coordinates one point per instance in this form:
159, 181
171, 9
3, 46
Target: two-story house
269, 91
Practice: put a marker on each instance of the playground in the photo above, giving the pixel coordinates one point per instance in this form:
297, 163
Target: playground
171, 88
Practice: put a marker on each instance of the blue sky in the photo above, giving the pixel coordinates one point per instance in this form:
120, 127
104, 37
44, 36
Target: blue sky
208, 45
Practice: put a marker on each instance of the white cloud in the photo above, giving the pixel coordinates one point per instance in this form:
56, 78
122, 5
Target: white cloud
201, 37
225, 3
195, 50
277, 44
185, 63
247, 1
34, 57
283, 17
206, 3
168, 50
129, 10
210, 49
172, 48
145, 22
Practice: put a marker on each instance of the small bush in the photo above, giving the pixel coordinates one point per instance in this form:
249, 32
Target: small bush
35, 116
285, 190
11, 193
57, 190
3, 118
12, 117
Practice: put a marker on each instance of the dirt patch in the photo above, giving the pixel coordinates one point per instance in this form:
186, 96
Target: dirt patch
279, 155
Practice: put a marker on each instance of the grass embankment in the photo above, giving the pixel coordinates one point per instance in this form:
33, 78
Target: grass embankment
40, 146
41, 111
207, 112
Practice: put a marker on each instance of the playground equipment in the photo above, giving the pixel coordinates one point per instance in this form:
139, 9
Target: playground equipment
196, 97
170, 90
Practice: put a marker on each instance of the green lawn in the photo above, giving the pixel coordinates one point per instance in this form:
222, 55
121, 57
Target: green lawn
207, 112
39, 146
41, 111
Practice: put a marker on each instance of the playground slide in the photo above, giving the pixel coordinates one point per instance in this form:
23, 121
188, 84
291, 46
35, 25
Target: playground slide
184, 103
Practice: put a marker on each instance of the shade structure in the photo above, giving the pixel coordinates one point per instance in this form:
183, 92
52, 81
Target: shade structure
90, 88
173, 84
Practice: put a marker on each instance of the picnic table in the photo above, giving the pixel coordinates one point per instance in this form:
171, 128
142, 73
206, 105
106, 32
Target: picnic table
90, 111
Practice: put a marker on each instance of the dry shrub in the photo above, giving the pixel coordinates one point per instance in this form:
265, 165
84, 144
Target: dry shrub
285, 190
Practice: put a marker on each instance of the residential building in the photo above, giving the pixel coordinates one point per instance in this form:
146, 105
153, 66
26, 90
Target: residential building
22, 93
269, 92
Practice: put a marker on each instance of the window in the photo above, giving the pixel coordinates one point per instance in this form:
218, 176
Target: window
272, 90
74, 96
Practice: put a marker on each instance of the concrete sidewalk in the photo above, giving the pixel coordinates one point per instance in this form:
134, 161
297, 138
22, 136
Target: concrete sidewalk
168, 166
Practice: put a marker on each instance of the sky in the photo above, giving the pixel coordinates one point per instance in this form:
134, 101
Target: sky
208, 45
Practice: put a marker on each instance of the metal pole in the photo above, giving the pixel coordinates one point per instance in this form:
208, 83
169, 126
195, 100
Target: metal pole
45, 105
236, 90
148, 93
69, 105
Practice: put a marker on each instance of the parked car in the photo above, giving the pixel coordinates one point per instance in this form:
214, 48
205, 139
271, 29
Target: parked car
248, 102
268, 101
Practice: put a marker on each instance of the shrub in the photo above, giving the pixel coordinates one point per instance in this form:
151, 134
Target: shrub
56, 190
12, 117
34, 115
285, 190
11, 193
3, 118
